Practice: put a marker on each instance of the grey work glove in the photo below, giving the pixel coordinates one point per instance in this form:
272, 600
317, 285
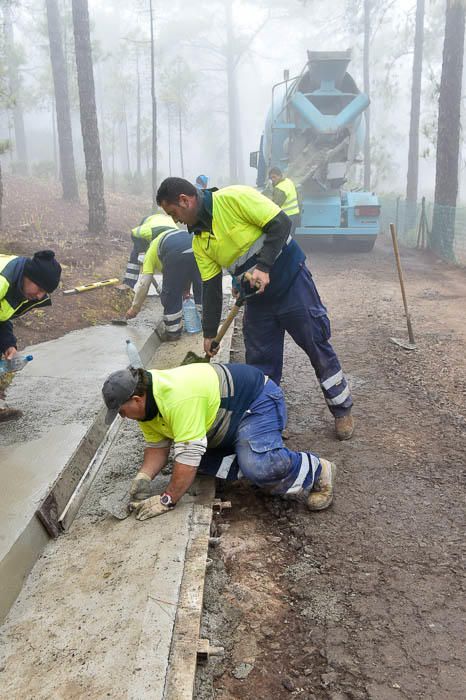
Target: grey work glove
149, 508
140, 488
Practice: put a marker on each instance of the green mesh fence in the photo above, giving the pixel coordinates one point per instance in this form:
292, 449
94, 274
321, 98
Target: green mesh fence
440, 228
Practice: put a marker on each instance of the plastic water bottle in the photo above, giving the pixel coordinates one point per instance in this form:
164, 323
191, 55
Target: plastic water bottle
133, 355
192, 320
15, 364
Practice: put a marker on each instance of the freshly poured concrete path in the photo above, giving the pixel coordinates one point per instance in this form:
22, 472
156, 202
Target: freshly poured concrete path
112, 609
59, 394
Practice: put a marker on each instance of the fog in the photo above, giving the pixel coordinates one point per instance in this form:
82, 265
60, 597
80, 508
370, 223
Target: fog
191, 83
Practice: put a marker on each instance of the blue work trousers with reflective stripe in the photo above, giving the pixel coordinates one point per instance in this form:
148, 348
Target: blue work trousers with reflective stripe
258, 452
301, 313
133, 267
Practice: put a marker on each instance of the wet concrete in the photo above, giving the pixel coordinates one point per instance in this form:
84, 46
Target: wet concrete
59, 394
97, 616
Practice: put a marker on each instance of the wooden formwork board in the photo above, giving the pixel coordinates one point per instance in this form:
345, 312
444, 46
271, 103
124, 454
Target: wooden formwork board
183, 654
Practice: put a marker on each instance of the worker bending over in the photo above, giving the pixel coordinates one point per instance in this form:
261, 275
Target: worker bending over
171, 253
222, 419
239, 229
141, 236
284, 194
25, 284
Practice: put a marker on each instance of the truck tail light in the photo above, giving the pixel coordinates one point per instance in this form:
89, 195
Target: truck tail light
370, 210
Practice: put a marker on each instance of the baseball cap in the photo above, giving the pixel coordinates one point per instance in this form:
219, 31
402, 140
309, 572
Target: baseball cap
117, 389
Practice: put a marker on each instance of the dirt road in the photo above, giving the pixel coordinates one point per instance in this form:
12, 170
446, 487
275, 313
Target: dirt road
365, 600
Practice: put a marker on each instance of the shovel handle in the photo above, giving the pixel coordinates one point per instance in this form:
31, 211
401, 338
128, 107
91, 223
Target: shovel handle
231, 316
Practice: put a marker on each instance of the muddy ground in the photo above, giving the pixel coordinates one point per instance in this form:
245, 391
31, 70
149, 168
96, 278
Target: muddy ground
34, 218
367, 599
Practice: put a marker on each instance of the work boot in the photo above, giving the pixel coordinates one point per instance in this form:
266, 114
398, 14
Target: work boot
344, 426
9, 414
166, 337
321, 495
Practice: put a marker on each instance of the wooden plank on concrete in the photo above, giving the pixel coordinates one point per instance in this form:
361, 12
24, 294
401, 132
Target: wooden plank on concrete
181, 669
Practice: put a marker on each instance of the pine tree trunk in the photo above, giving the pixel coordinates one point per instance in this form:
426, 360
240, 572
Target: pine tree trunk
232, 100
413, 153
180, 137
169, 123
154, 109
448, 134
89, 127
1, 196
138, 117
14, 86
62, 103
367, 114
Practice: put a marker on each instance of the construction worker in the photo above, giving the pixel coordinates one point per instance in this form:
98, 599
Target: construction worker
171, 253
142, 235
285, 195
201, 182
25, 284
222, 419
239, 229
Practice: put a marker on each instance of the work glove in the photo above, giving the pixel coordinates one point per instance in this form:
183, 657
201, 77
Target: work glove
149, 508
140, 488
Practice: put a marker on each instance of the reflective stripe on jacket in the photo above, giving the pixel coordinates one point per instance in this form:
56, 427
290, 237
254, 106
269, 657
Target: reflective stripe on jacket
239, 214
152, 225
169, 239
291, 205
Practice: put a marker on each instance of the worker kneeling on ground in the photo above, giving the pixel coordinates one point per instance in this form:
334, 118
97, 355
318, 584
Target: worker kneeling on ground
25, 284
171, 253
284, 194
239, 229
224, 420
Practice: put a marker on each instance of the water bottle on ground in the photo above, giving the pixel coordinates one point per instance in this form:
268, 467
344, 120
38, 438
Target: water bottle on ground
192, 320
15, 364
133, 355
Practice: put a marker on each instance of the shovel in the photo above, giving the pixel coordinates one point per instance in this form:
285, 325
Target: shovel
191, 356
411, 345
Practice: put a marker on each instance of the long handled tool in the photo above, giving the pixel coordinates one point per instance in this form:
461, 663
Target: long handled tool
191, 356
92, 285
402, 343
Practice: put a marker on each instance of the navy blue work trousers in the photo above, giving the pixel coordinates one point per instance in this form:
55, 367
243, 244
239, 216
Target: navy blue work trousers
259, 454
299, 312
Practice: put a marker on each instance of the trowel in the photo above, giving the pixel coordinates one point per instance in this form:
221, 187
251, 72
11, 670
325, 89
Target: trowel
116, 507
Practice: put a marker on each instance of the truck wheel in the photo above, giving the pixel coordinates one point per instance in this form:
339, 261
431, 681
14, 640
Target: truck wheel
348, 244
364, 246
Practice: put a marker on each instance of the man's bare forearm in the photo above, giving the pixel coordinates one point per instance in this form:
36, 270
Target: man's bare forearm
155, 458
182, 477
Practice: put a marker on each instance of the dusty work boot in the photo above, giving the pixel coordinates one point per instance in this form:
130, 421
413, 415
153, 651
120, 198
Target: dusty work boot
344, 427
9, 414
166, 337
321, 495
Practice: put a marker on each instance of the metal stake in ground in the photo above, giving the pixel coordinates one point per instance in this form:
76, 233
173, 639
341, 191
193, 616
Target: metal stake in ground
402, 343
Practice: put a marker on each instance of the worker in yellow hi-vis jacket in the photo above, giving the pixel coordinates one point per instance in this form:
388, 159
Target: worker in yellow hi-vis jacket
284, 194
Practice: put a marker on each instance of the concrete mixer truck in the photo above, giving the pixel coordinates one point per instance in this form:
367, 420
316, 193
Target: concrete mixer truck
314, 132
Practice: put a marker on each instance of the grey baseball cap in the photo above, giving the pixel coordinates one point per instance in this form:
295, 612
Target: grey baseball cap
117, 389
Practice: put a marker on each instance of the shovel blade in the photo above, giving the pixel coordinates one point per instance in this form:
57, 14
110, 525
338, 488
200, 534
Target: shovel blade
405, 344
191, 358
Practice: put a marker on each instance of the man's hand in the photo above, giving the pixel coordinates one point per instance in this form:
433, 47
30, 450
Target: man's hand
259, 279
140, 488
207, 344
150, 508
10, 353
131, 313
